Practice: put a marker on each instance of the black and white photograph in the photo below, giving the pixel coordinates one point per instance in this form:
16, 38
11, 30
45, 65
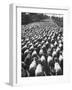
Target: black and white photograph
41, 44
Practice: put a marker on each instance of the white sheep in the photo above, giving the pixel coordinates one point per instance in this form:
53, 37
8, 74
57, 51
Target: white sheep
31, 47
57, 49
42, 42
41, 52
39, 45
28, 42
46, 43
58, 38
48, 37
57, 67
60, 41
22, 43
54, 53
49, 58
27, 39
42, 58
25, 46
52, 37
36, 43
34, 53
60, 58
60, 45
32, 65
55, 43
52, 45
21, 40
43, 46
45, 38
26, 51
38, 70
49, 50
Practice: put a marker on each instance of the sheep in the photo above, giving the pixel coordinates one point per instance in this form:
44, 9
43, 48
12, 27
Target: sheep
30, 44
22, 56
52, 41
32, 68
51, 45
57, 49
39, 45
24, 73
50, 63
46, 43
39, 39
41, 52
60, 45
42, 58
26, 51
32, 65
45, 38
27, 39
52, 37
27, 59
31, 48
60, 58
49, 58
58, 38
55, 43
50, 34
38, 71
34, 41
61, 61
57, 68
43, 46
36, 44
22, 40
49, 51
22, 44
32, 38
34, 53
42, 42
59, 41
54, 53
24, 47
49, 39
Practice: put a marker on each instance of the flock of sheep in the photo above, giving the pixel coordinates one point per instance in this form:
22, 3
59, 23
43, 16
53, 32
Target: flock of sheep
41, 49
